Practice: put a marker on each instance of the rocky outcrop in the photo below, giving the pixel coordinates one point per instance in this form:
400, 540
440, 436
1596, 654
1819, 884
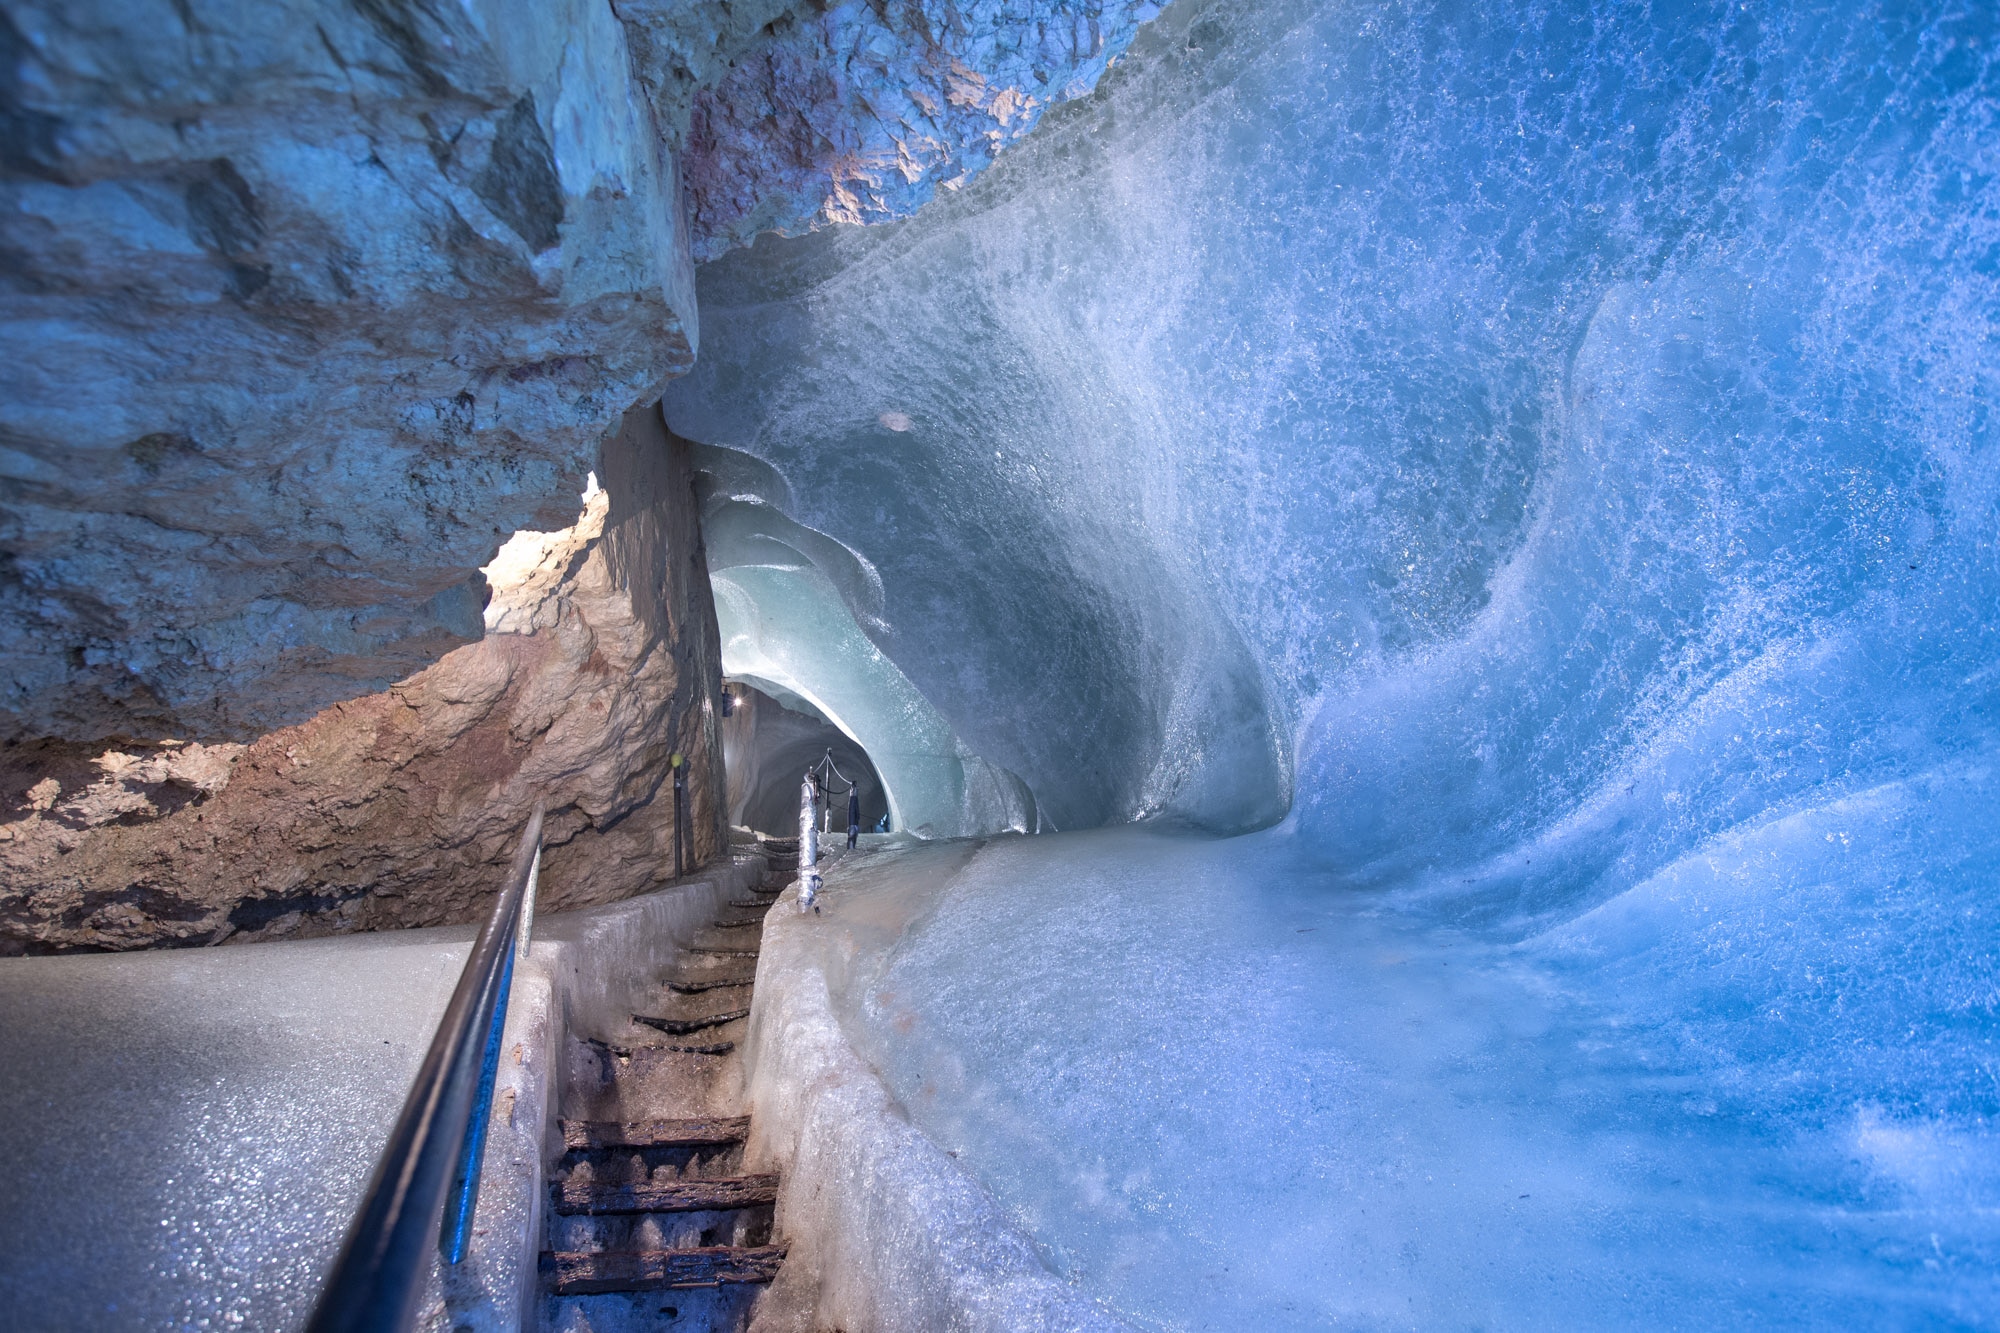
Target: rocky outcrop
309, 310
401, 808
307, 307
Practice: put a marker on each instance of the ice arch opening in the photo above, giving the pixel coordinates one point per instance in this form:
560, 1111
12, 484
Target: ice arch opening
790, 604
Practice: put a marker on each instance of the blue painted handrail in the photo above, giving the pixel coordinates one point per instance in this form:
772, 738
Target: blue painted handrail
433, 1155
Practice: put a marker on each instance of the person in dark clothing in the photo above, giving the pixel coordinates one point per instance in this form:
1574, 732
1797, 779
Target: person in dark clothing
853, 817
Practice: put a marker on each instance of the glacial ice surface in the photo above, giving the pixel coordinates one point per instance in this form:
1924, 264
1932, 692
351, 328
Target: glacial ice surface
1540, 457
1223, 1094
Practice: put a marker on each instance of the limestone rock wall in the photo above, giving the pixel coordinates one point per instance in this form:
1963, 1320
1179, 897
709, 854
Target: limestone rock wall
304, 308
401, 808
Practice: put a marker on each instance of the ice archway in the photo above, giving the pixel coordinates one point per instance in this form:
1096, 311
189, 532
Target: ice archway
786, 602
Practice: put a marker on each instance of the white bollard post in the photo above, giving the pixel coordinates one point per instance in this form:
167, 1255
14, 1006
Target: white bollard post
808, 845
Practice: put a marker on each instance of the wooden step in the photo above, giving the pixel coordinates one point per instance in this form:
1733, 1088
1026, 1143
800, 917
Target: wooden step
680, 1027
664, 1196
696, 985
585, 1135
579, 1274
721, 924
724, 950
707, 1048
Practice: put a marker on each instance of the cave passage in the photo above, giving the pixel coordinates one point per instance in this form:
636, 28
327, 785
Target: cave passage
1419, 587
771, 740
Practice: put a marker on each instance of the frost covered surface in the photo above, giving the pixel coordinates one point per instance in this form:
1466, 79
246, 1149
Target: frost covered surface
1564, 405
201, 1124
1222, 1095
1548, 453
883, 1230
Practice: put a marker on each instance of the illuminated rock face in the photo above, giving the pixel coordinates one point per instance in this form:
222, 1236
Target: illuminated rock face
402, 808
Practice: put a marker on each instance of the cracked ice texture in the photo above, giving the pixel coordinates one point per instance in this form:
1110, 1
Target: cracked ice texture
1568, 432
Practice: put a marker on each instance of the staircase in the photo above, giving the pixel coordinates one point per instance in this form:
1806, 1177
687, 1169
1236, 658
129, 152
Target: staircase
653, 1223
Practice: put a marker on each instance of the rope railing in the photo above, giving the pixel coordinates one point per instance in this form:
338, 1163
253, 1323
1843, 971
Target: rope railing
426, 1183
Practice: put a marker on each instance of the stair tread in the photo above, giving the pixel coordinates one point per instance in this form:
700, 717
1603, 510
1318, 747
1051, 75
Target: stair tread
680, 1027
582, 1135
581, 1273
665, 1196
724, 950
705, 1048
696, 985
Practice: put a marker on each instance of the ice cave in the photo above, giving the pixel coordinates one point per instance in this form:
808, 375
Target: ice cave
1049, 665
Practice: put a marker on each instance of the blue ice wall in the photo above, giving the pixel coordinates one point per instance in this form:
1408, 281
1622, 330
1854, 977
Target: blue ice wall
1534, 444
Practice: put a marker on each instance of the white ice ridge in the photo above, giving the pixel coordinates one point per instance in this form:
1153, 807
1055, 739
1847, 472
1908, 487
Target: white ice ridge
885, 1231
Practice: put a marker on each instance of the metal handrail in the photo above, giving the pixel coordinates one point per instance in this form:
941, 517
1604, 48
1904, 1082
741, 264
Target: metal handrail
434, 1153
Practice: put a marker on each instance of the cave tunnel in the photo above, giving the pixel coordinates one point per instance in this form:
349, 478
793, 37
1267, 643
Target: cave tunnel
771, 739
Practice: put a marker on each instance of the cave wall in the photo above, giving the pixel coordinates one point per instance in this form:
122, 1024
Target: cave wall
307, 308
402, 807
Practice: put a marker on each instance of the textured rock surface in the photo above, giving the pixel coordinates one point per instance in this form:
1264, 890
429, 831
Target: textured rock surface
401, 808
309, 310
306, 308
860, 112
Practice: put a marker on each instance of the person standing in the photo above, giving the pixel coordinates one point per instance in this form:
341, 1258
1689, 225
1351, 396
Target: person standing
853, 816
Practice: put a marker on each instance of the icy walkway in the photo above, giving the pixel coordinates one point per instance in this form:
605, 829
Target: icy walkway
184, 1135
1221, 1094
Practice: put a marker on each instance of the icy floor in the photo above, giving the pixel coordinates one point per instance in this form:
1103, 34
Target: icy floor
1223, 1094
184, 1134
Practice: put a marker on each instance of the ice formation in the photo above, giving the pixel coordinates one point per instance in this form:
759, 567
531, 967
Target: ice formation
1223, 1095
1544, 456
787, 600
